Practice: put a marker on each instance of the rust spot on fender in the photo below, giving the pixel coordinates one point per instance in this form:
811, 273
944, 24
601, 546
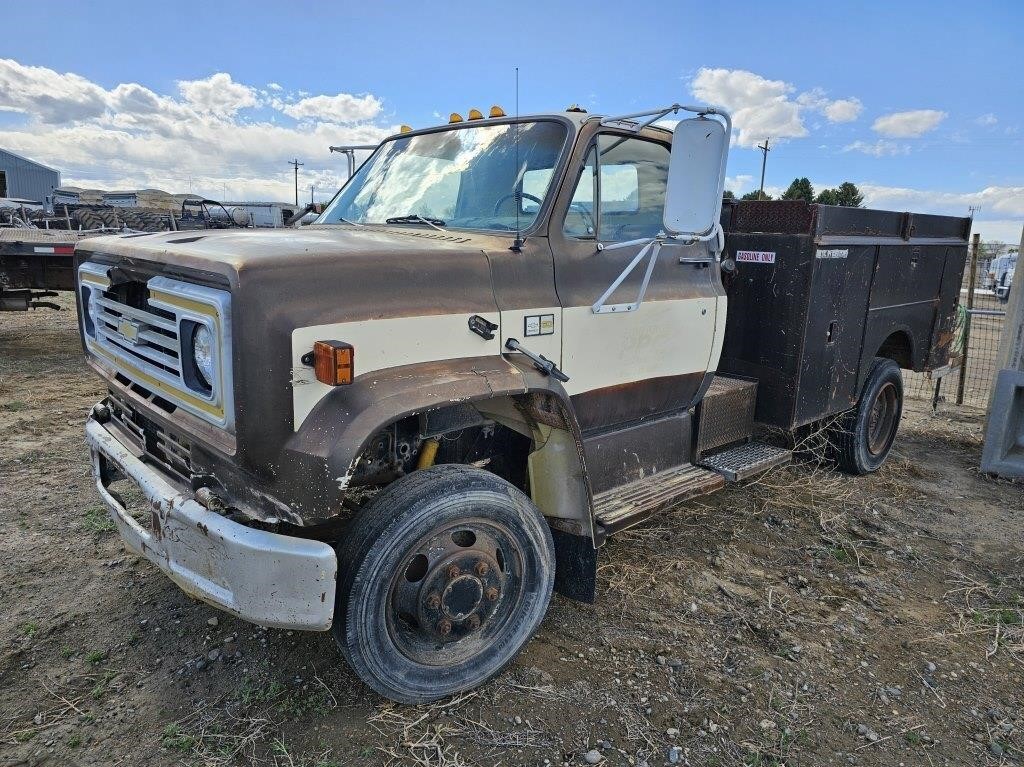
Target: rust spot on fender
323, 596
203, 529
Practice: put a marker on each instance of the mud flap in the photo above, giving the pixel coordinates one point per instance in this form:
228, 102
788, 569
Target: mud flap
575, 566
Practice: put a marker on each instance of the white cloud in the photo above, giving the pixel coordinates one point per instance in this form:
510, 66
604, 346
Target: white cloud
739, 184
49, 96
763, 108
760, 108
218, 94
910, 124
1005, 200
1001, 207
880, 148
843, 110
130, 136
835, 111
274, 87
341, 108
987, 119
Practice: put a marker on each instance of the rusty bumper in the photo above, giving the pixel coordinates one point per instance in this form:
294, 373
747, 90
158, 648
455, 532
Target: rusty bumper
265, 578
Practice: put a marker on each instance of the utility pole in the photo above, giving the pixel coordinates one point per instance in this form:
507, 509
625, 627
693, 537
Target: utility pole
296, 164
764, 161
311, 188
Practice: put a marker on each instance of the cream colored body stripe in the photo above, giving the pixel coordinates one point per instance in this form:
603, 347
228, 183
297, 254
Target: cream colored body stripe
661, 338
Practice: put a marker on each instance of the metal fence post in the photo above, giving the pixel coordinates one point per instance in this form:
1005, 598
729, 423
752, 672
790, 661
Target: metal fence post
975, 243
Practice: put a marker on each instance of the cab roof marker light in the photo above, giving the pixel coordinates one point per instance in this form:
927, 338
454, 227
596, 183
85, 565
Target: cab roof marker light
455, 117
475, 114
405, 129
496, 111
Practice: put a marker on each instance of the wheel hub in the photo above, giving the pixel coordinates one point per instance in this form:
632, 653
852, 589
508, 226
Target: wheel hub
462, 596
455, 597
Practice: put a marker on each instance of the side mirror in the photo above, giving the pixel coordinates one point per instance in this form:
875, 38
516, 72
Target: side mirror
696, 177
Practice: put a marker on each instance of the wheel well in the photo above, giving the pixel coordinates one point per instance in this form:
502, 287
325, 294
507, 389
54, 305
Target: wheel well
898, 348
460, 434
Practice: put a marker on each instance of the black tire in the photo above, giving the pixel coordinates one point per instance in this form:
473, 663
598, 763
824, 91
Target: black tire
863, 437
411, 563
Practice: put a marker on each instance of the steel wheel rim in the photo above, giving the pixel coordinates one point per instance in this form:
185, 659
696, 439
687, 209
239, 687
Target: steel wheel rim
453, 591
882, 419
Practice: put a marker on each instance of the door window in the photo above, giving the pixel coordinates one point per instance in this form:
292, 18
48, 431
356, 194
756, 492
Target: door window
630, 189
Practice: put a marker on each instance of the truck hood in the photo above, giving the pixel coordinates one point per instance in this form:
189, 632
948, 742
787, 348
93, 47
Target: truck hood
232, 252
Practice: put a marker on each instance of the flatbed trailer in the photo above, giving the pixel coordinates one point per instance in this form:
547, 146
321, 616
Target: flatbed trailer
34, 264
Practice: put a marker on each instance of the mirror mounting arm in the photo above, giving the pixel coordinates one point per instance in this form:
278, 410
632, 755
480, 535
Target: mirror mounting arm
652, 245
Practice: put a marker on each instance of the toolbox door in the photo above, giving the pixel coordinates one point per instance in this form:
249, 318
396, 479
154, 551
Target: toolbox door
830, 366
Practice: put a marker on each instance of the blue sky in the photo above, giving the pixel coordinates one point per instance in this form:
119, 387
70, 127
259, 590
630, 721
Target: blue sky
921, 103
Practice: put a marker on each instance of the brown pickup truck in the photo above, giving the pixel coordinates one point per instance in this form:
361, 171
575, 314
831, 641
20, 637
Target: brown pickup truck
503, 340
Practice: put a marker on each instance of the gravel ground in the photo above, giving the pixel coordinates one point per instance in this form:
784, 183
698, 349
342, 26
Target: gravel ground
806, 618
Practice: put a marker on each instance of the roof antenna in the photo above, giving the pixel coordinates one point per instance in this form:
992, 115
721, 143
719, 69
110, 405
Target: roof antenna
517, 193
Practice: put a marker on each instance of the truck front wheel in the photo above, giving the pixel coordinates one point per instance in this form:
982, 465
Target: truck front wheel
863, 436
442, 579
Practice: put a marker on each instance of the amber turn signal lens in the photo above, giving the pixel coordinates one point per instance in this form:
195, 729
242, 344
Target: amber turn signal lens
334, 362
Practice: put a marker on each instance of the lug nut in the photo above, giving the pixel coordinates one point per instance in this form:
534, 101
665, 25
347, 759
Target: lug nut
444, 627
454, 571
433, 601
492, 593
473, 622
482, 568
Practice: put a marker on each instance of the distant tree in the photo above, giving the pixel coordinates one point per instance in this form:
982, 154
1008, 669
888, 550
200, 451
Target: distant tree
800, 189
846, 194
849, 195
728, 195
827, 197
754, 196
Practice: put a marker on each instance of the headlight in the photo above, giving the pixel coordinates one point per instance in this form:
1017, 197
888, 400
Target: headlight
202, 353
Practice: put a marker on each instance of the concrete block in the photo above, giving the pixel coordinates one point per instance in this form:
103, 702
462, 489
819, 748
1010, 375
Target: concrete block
1003, 452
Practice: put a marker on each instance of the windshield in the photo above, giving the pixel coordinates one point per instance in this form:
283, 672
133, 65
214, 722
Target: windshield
473, 177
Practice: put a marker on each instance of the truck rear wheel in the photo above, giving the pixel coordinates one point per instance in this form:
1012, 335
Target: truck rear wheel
442, 579
863, 436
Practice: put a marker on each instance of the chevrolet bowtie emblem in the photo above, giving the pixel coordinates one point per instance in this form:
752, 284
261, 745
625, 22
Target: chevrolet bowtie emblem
129, 330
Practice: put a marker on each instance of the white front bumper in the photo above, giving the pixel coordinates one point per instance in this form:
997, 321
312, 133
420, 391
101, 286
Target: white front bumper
265, 578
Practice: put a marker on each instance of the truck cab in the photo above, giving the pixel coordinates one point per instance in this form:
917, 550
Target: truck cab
412, 420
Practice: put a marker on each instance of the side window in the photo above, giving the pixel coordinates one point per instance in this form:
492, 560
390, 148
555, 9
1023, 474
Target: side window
579, 219
632, 191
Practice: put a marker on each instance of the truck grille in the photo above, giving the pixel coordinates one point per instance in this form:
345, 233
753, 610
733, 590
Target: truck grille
144, 330
147, 337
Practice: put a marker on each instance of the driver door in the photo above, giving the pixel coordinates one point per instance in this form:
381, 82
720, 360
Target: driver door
629, 365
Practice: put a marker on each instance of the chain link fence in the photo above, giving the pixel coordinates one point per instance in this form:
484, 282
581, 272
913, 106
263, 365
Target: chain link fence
979, 325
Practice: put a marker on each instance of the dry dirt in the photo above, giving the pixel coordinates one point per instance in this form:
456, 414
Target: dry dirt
804, 619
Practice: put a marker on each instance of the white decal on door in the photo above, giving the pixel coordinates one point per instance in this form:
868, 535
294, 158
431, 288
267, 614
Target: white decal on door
756, 256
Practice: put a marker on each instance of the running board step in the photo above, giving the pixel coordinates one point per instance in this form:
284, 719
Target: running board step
746, 460
632, 503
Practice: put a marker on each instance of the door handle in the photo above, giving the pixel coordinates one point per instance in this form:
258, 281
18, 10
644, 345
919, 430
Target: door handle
696, 261
542, 363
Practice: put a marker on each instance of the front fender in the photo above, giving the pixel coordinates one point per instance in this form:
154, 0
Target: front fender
324, 451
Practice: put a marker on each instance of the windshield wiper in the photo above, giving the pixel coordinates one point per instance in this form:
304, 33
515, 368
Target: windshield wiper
415, 218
